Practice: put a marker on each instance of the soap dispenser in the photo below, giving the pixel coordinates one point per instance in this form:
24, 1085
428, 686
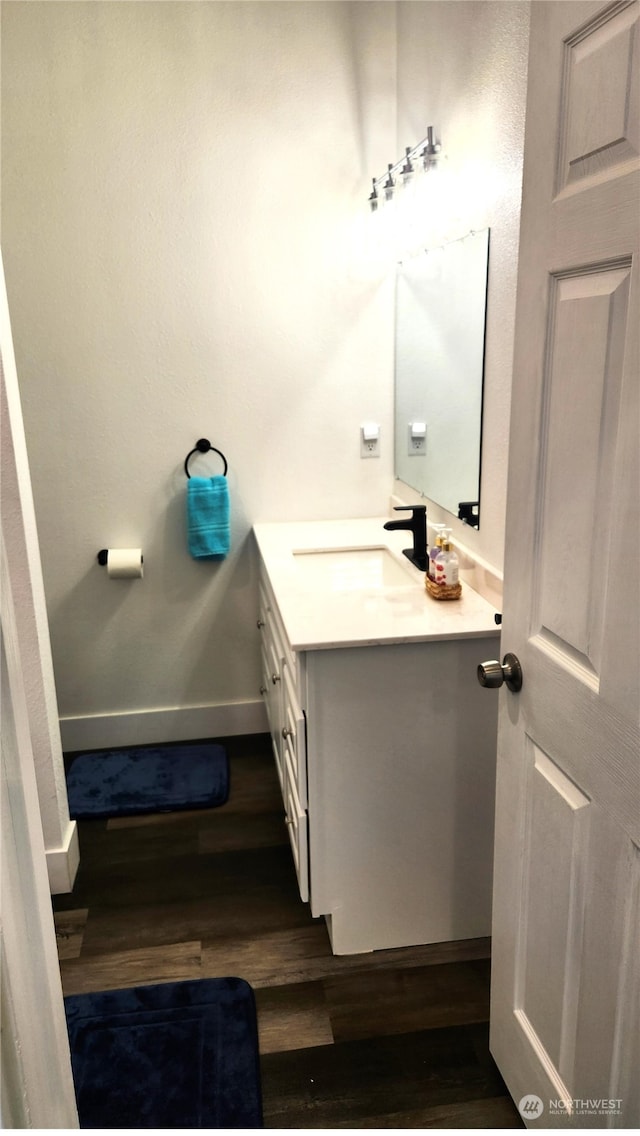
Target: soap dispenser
435, 550
447, 564
446, 585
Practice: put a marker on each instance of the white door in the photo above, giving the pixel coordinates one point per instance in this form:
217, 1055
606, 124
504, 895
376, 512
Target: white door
566, 937
36, 1085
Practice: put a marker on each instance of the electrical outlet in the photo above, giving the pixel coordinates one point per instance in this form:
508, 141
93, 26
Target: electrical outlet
370, 440
417, 438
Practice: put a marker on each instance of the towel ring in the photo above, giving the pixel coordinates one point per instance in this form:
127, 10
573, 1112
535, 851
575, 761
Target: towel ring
203, 445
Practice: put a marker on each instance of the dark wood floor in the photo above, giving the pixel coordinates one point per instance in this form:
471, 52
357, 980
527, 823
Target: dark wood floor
393, 1039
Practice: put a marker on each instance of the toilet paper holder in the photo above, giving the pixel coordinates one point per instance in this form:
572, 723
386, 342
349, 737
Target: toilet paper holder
103, 557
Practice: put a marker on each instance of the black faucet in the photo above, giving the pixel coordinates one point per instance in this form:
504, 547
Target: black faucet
417, 525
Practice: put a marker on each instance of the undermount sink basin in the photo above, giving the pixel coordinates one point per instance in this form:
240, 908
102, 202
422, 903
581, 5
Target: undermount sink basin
353, 569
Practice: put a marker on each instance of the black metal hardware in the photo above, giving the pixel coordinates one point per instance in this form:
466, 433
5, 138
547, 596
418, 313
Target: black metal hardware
498, 617
103, 557
417, 525
202, 446
469, 513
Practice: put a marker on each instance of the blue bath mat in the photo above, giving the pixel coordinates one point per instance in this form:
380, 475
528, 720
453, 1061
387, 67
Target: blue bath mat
175, 1055
147, 779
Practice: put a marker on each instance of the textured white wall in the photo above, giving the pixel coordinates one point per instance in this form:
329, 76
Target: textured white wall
182, 191
462, 67
180, 182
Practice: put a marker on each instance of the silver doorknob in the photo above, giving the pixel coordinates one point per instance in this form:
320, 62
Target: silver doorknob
493, 673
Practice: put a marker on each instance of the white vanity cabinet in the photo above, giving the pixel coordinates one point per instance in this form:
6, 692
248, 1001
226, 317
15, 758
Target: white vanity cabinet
281, 689
385, 750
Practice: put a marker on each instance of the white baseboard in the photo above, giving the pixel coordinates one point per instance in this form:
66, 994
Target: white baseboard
172, 724
62, 863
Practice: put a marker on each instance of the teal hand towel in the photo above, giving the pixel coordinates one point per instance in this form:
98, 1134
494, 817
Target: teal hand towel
208, 517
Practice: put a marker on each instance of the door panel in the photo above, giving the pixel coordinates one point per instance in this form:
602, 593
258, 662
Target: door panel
581, 392
599, 134
552, 911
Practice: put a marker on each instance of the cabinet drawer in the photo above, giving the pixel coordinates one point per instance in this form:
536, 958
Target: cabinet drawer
278, 758
294, 739
272, 639
274, 627
296, 819
269, 609
272, 701
272, 666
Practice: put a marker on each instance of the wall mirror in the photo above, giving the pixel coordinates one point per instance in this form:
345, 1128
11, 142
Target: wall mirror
441, 298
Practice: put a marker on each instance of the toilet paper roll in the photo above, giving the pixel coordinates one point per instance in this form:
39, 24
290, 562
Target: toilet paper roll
124, 563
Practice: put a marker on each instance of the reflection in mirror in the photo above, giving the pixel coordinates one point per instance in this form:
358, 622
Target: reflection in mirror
439, 365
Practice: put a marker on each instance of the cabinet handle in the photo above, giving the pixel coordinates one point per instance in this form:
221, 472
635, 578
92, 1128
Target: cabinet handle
263, 690
275, 678
286, 732
260, 624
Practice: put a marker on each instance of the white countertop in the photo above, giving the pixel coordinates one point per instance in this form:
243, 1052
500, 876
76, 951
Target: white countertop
320, 613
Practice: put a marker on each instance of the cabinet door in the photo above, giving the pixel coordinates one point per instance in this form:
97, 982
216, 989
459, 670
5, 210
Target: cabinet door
294, 741
296, 819
271, 695
281, 678
271, 688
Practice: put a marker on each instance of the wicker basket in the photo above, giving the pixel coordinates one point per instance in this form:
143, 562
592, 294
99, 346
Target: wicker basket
443, 591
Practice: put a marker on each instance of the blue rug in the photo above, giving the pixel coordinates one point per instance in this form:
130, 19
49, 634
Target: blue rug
144, 779
175, 1055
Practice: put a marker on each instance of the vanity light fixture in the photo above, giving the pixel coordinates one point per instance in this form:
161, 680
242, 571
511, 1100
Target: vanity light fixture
431, 150
427, 151
408, 168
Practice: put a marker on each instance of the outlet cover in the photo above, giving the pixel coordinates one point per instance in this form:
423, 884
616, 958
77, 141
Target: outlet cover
417, 438
370, 440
